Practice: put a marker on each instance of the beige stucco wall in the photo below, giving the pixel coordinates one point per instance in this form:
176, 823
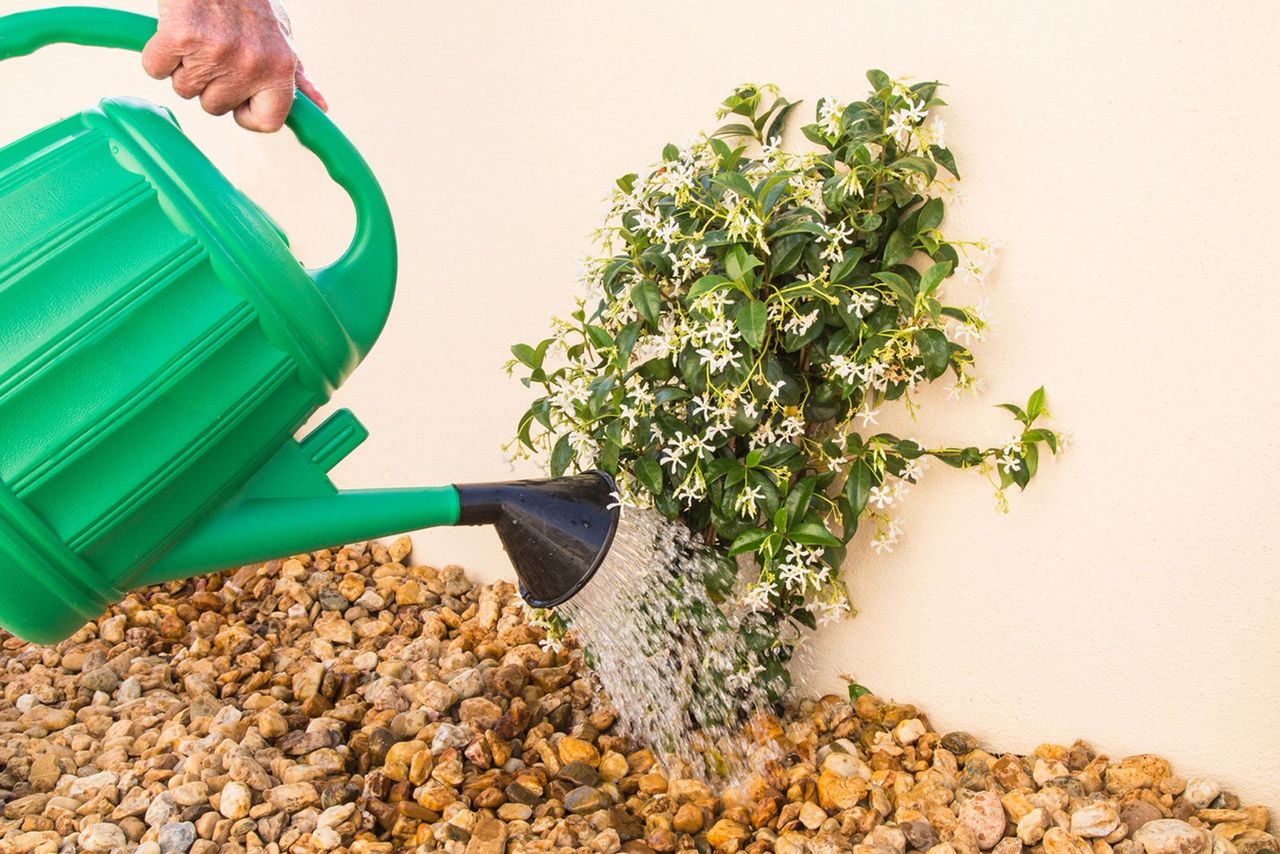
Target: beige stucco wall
1121, 153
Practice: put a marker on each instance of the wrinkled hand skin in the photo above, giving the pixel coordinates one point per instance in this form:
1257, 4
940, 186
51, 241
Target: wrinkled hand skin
236, 56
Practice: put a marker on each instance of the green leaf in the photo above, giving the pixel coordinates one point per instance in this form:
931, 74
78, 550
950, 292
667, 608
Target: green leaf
751, 321
915, 163
897, 248
705, 285
735, 130
934, 351
601, 388
600, 337
734, 181
649, 472
527, 355
738, 262
1035, 405
1016, 410
787, 253
930, 216
626, 342
797, 226
749, 541
541, 410
933, 277
780, 119
798, 498
813, 534
856, 691
614, 269
670, 152
843, 269
648, 301
879, 79
805, 617
561, 456
945, 157
857, 489
1039, 435
900, 286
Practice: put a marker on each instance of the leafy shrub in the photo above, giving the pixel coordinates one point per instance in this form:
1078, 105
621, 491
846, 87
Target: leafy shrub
750, 311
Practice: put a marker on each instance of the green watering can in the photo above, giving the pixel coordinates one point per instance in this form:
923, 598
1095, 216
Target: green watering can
159, 348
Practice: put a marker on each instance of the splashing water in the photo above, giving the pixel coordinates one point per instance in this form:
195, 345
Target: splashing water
673, 661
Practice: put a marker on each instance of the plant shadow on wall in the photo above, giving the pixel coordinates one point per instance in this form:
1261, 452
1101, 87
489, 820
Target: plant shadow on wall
749, 313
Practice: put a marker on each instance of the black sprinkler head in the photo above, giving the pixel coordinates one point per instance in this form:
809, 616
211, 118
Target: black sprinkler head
556, 532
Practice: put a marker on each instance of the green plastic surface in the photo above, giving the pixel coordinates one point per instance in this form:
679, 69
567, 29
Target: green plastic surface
159, 348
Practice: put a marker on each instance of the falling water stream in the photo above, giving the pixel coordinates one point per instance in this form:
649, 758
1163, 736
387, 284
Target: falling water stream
672, 660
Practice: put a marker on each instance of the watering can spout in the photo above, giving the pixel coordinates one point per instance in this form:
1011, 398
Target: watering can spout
556, 532
257, 529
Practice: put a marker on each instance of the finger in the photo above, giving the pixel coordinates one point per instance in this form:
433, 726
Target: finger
309, 88
224, 95
265, 111
190, 80
160, 58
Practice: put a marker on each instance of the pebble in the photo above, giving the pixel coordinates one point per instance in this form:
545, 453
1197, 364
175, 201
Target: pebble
812, 816
177, 836
1095, 820
236, 799
101, 838
984, 815
1200, 793
584, 800
1171, 836
352, 701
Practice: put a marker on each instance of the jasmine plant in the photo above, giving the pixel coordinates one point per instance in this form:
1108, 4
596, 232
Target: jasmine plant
750, 312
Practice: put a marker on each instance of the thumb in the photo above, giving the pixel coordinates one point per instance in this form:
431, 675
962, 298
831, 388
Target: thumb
159, 57
309, 88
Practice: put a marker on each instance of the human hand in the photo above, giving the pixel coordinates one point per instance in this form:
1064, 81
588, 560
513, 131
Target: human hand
237, 56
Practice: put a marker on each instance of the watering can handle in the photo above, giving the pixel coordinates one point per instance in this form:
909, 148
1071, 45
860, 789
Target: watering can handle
359, 285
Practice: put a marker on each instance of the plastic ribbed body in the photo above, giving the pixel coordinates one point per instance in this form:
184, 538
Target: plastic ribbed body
138, 387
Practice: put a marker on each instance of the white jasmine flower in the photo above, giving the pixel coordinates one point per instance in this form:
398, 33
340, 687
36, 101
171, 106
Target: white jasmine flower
862, 303
979, 258
916, 110
881, 543
745, 503
829, 116
831, 612
967, 332
799, 324
794, 576
757, 598
868, 415
900, 126
915, 469
1010, 463
673, 453
790, 428
881, 497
